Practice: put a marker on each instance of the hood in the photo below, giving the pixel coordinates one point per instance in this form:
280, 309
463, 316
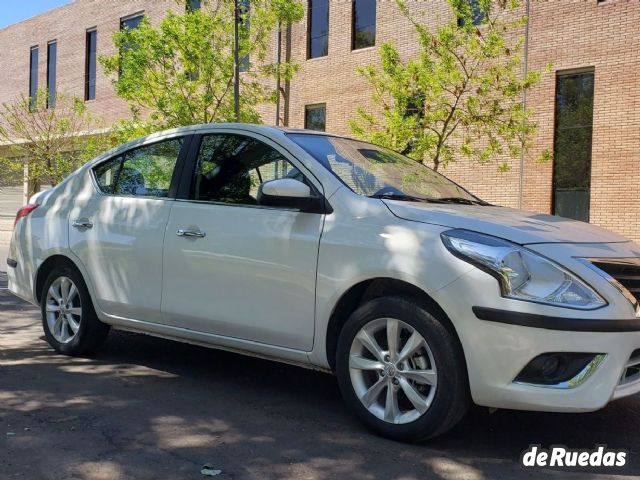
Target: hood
515, 225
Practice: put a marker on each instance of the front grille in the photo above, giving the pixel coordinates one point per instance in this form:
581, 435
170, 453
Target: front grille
625, 271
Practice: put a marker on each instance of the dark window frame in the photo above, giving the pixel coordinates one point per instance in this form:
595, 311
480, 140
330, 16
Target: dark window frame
354, 30
90, 70
477, 17
311, 107
310, 37
185, 188
34, 56
124, 23
244, 8
561, 74
52, 72
192, 5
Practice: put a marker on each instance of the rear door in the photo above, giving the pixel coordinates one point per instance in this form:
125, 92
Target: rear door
247, 271
118, 230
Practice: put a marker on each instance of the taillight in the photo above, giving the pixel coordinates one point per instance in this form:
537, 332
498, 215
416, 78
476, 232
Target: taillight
24, 211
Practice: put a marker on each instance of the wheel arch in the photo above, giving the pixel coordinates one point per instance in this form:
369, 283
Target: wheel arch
47, 267
373, 288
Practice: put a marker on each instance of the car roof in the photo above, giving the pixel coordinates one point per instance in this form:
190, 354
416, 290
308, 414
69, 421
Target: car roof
267, 130
240, 126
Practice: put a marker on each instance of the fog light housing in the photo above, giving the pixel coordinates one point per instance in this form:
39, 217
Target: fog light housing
560, 369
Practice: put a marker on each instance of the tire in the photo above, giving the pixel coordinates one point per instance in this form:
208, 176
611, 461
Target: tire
410, 417
71, 327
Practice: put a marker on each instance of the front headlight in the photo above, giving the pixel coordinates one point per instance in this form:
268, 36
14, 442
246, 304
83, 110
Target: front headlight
523, 274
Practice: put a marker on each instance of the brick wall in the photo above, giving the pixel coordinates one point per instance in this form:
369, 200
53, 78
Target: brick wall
68, 25
569, 34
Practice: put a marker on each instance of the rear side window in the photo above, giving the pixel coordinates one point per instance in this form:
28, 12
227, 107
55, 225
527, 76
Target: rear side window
141, 172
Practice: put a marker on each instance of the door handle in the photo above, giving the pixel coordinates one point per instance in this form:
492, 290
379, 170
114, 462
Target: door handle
82, 224
190, 233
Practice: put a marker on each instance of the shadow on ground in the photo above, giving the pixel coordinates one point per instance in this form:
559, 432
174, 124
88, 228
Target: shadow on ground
154, 409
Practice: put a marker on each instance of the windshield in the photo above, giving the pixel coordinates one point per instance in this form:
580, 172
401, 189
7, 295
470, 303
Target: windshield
375, 171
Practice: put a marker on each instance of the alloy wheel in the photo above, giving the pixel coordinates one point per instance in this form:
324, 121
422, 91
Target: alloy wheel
392, 370
63, 309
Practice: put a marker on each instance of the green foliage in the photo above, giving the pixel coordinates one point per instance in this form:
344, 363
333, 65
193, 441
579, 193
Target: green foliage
47, 140
182, 71
461, 96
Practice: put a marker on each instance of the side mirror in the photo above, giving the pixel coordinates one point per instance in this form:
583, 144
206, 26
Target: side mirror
290, 193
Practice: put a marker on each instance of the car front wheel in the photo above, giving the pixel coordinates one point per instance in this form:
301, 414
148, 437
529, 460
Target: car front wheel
401, 369
70, 323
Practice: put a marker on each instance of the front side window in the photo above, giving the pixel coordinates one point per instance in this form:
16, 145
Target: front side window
371, 170
142, 172
231, 168
363, 33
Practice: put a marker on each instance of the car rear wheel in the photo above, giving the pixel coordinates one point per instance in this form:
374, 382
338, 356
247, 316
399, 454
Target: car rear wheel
401, 370
70, 323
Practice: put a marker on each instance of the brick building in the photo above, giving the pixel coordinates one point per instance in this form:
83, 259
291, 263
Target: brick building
587, 107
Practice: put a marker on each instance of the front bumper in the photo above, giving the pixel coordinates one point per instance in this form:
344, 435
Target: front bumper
504, 335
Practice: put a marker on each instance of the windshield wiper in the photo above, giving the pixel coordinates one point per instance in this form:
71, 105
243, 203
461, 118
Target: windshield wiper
399, 196
458, 200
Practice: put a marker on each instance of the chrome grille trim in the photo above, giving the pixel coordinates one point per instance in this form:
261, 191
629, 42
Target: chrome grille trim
623, 273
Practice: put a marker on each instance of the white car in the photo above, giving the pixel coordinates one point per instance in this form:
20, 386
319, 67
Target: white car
339, 255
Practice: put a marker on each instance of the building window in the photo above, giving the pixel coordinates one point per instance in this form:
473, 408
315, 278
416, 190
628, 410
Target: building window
318, 29
126, 23
572, 145
244, 7
476, 13
131, 21
315, 117
33, 77
52, 54
363, 31
90, 65
193, 5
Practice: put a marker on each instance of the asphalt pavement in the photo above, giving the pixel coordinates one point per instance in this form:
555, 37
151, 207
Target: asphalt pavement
147, 408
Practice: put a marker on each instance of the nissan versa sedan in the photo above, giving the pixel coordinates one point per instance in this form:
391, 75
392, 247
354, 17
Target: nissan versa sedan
335, 254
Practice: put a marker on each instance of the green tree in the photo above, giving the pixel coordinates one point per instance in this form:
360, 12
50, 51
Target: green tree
182, 71
460, 97
50, 142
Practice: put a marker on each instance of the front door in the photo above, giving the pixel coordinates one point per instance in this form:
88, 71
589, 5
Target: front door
232, 267
118, 233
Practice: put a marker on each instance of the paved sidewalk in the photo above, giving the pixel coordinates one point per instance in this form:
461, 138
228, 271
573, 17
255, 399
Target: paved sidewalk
145, 408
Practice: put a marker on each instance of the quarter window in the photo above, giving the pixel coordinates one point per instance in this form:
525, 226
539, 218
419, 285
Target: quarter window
143, 172
231, 168
364, 24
